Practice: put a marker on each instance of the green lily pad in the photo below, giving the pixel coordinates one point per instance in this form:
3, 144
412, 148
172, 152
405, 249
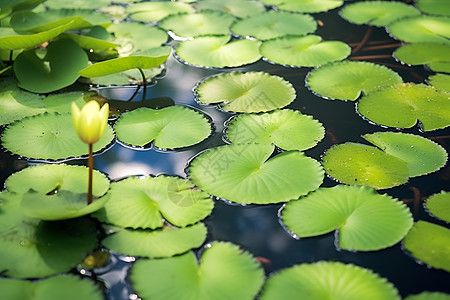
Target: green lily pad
165, 242
157, 10
287, 129
422, 28
305, 6
439, 205
129, 77
168, 128
430, 244
273, 24
16, 104
223, 265
402, 105
189, 25
218, 51
62, 102
328, 280
53, 69
432, 54
237, 8
91, 43
377, 13
440, 81
245, 92
364, 219
68, 287
347, 80
58, 4
429, 296
49, 136
151, 199
243, 173
434, 7
304, 51
31, 248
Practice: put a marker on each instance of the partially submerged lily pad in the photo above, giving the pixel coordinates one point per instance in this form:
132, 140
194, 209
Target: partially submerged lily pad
243, 173
287, 129
434, 55
157, 10
403, 105
347, 80
305, 6
328, 280
439, 205
363, 219
168, 128
429, 243
245, 92
238, 8
303, 51
222, 265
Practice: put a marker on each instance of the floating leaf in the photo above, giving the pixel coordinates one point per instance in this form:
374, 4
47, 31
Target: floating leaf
16, 104
287, 129
61, 102
243, 173
305, 51
165, 242
347, 80
168, 128
245, 92
157, 10
238, 8
434, 7
151, 199
58, 4
364, 219
129, 77
439, 205
273, 24
49, 137
402, 105
223, 265
430, 243
195, 24
422, 28
432, 54
57, 67
218, 51
440, 81
309, 6
377, 13
429, 296
328, 280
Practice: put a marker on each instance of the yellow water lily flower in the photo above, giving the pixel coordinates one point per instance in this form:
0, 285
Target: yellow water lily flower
90, 121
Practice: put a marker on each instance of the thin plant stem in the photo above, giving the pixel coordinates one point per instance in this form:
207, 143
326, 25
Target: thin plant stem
144, 82
363, 41
91, 169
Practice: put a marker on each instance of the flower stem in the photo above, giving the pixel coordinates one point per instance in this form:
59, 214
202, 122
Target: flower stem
91, 169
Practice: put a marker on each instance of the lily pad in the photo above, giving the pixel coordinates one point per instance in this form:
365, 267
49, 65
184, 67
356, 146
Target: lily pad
305, 6
363, 219
402, 105
377, 13
439, 205
273, 24
432, 54
49, 136
165, 242
151, 199
168, 128
328, 280
61, 102
429, 296
287, 129
347, 80
16, 104
129, 77
218, 51
157, 10
423, 28
440, 81
434, 7
237, 8
58, 4
189, 25
304, 51
243, 173
430, 244
223, 265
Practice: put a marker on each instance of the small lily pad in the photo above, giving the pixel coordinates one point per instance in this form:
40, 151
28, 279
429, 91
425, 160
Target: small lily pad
434, 55
347, 80
440, 81
429, 243
243, 173
151, 199
273, 24
223, 265
439, 205
168, 128
245, 92
402, 105
328, 280
157, 10
237, 8
429, 296
165, 242
218, 51
423, 28
434, 7
16, 104
304, 51
287, 129
364, 219
305, 6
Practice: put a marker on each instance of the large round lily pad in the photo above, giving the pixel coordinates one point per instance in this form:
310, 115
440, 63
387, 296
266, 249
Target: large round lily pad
435, 55
223, 265
364, 219
309, 6
243, 173
439, 205
16, 104
245, 92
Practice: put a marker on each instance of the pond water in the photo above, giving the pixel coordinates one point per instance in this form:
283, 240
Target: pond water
257, 228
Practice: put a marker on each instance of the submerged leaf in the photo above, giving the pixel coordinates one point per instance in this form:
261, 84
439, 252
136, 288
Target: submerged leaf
439, 205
